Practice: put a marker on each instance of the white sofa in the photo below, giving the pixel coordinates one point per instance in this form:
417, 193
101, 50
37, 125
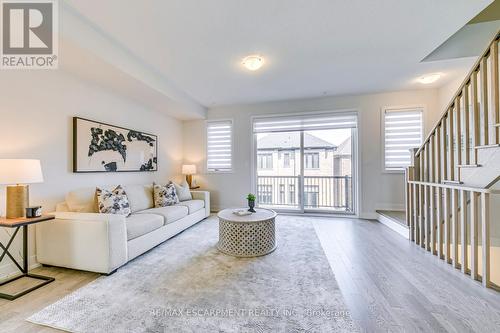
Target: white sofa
80, 238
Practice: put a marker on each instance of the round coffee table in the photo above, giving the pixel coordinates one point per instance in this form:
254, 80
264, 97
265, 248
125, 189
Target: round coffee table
247, 236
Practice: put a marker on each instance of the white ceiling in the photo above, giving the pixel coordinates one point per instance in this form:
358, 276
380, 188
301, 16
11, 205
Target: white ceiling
312, 48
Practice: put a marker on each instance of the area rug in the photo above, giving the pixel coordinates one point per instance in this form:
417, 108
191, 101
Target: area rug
187, 285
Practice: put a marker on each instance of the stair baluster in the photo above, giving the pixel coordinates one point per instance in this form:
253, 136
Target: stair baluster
444, 215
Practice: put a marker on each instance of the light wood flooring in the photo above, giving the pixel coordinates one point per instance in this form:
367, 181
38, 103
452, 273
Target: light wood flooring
389, 285
14, 313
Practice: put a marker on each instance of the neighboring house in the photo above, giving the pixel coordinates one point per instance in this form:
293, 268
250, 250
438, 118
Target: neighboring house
342, 160
326, 171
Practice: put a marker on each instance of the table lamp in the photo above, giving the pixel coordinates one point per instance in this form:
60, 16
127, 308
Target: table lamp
189, 170
16, 174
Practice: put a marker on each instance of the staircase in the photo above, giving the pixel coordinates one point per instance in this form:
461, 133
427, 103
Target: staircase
449, 183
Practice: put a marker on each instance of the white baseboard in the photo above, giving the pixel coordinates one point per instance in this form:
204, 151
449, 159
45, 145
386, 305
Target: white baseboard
403, 231
368, 216
11, 270
390, 206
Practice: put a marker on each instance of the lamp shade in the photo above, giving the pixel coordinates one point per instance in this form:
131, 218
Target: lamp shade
188, 169
20, 171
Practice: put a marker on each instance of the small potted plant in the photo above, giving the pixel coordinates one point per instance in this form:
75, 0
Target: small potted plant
251, 202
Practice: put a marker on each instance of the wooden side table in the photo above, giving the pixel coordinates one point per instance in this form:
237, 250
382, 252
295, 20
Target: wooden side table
17, 224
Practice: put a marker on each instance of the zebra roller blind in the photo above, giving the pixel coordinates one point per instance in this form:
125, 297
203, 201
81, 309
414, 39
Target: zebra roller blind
220, 146
305, 122
403, 130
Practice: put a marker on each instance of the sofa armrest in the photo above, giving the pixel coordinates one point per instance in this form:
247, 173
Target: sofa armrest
85, 241
97, 217
205, 196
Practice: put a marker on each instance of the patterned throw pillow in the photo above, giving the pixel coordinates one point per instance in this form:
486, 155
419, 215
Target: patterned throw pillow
165, 195
113, 202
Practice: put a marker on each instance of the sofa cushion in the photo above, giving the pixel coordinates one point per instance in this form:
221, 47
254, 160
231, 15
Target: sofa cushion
192, 205
141, 224
170, 213
140, 197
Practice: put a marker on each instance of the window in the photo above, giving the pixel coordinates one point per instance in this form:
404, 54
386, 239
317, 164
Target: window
219, 146
311, 193
291, 193
309, 151
282, 193
311, 160
265, 194
402, 131
265, 161
286, 160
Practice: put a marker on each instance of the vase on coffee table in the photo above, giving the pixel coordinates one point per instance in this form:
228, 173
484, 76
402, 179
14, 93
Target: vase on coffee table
251, 205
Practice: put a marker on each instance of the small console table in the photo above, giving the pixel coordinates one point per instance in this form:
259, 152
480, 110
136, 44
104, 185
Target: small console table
17, 224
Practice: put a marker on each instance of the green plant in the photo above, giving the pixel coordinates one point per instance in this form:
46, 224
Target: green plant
251, 197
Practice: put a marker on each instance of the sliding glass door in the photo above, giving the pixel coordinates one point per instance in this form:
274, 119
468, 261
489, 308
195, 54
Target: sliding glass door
328, 170
306, 163
278, 169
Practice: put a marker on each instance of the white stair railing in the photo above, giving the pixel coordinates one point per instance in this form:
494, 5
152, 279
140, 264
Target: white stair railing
445, 217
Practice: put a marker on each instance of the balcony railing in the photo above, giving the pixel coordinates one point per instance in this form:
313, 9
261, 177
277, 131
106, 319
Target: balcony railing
332, 193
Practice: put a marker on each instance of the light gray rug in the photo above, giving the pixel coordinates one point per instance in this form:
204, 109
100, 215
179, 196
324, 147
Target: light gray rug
187, 285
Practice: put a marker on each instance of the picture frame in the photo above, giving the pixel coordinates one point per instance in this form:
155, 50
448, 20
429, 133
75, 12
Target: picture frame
101, 147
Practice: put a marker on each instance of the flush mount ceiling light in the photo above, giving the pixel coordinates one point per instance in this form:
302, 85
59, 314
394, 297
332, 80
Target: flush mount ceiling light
253, 62
429, 78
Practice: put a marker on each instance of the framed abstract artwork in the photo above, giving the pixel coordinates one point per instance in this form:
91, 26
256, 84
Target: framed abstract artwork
99, 147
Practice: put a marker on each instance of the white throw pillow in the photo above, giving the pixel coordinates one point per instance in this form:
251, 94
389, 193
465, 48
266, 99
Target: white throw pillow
165, 195
113, 202
183, 191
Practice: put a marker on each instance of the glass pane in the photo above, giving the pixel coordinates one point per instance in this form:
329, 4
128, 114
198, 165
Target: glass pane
278, 170
328, 170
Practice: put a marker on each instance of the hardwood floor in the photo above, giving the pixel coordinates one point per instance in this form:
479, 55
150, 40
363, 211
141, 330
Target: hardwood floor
14, 313
388, 284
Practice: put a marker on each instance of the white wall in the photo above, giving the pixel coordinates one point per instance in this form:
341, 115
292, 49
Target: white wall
378, 189
35, 122
448, 91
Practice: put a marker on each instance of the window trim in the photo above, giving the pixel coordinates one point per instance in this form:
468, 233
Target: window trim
207, 122
383, 110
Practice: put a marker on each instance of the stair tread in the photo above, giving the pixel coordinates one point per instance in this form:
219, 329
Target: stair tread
469, 165
398, 216
451, 182
488, 146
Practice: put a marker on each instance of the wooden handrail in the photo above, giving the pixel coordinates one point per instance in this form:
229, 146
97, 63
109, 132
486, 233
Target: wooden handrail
457, 95
456, 187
